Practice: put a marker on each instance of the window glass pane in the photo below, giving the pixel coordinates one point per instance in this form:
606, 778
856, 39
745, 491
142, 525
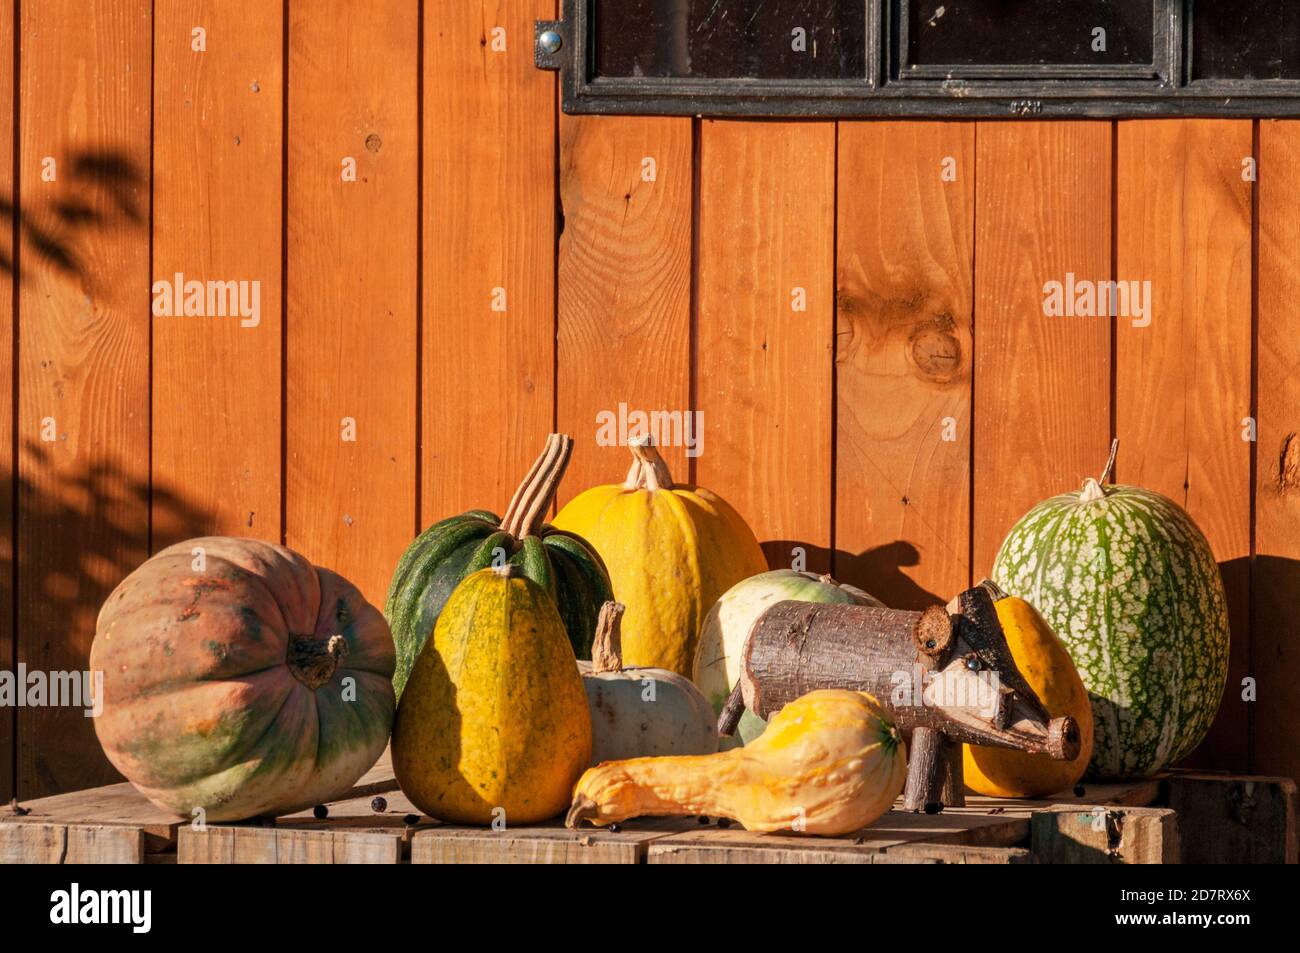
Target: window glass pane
1246, 39
1028, 32
749, 39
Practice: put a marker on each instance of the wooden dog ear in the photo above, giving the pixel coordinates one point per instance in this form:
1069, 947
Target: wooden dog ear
979, 628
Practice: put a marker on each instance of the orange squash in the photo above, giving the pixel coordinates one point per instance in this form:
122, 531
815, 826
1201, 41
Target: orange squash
671, 551
829, 763
1047, 667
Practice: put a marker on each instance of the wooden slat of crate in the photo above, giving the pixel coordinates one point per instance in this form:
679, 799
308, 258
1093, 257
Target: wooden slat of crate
1070, 834
105, 825
1126, 793
1235, 820
734, 845
217, 844
548, 844
352, 832
71, 844
994, 823
946, 854
112, 824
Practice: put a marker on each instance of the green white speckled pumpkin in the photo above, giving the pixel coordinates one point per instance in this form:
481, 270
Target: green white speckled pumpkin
1130, 585
717, 658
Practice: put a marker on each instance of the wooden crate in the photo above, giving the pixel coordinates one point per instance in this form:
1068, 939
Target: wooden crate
1235, 819
546, 844
1180, 817
116, 825
1105, 834
987, 830
110, 825
353, 832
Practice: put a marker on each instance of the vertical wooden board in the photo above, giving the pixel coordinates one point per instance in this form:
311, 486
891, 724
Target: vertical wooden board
1183, 369
903, 341
8, 741
218, 129
1042, 384
83, 312
351, 286
489, 241
763, 369
1276, 575
624, 319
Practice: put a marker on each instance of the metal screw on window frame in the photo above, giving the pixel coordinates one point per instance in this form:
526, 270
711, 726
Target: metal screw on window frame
550, 42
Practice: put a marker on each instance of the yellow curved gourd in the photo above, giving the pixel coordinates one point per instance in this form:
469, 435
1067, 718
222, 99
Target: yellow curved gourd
494, 716
671, 551
1047, 667
829, 763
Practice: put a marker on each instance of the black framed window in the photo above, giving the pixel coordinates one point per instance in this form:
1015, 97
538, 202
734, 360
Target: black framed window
1027, 38
1245, 41
975, 58
791, 39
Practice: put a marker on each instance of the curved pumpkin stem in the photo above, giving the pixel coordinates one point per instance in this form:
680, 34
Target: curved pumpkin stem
533, 498
607, 648
996, 592
649, 471
1092, 489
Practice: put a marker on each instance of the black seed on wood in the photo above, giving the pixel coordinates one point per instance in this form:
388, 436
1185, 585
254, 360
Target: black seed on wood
379, 805
320, 812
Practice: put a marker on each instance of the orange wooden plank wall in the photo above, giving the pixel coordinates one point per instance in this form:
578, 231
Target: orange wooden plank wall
448, 268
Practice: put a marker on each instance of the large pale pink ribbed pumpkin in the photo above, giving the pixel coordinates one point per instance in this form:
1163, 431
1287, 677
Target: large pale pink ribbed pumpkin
241, 679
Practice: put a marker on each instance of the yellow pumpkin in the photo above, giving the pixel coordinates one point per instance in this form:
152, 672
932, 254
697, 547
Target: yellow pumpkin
494, 716
671, 552
829, 763
1047, 667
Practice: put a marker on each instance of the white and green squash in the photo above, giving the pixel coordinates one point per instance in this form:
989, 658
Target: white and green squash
1129, 583
639, 711
717, 657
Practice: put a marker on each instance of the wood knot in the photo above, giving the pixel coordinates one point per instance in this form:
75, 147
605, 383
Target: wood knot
935, 350
1288, 465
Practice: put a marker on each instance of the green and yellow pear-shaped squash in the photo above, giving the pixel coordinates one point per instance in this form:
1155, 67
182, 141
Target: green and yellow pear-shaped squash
493, 723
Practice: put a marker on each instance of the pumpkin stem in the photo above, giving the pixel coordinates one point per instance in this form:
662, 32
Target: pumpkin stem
1092, 489
533, 498
607, 648
313, 660
996, 592
649, 471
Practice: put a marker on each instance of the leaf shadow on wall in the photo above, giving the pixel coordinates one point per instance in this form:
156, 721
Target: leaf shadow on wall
81, 528
97, 189
878, 570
